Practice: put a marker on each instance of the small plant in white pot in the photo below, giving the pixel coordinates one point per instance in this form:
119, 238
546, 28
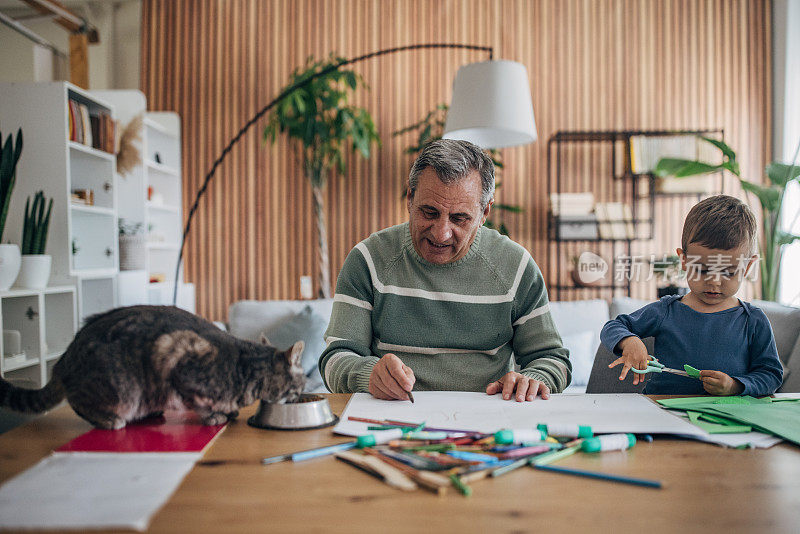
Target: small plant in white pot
35, 270
9, 253
132, 245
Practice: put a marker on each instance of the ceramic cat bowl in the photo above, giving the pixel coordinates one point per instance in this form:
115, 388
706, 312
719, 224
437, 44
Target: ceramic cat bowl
311, 411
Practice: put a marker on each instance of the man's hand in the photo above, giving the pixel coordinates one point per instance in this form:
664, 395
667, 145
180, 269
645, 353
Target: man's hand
391, 379
526, 388
634, 355
718, 383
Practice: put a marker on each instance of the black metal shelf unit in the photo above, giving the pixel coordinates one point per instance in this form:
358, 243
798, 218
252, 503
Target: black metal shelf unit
638, 190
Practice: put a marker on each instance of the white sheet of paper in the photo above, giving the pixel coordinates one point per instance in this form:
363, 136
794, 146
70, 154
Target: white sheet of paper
458, 410
92, 490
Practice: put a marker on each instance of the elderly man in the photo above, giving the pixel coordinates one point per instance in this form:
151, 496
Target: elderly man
441, 302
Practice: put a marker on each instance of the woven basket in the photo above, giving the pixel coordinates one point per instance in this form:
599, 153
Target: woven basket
131, 252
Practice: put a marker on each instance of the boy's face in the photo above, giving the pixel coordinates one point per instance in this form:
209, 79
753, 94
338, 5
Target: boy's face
715, 275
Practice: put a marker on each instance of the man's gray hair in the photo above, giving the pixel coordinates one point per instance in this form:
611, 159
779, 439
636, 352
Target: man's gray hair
453, 160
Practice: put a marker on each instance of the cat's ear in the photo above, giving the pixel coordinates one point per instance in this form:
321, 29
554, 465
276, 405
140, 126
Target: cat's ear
265, 339
294, 354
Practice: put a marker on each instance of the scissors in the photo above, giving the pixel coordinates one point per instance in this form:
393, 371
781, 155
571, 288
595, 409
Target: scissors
654, 366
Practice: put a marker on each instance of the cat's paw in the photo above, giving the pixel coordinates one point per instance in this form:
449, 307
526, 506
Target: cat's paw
232, 415
111, 423
215, 419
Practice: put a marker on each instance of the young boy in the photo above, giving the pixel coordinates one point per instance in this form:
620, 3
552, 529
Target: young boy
708, 328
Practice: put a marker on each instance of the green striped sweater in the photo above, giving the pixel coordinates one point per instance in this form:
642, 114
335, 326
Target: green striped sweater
459, 326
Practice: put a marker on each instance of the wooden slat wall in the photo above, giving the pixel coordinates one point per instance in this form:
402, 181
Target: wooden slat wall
593, 64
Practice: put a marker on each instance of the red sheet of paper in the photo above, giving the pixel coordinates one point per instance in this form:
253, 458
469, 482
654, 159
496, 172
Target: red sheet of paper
174, 432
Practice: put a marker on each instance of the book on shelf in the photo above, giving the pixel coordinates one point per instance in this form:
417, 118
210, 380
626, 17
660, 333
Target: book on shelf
94, 129
646, 151
571, 204
614, 220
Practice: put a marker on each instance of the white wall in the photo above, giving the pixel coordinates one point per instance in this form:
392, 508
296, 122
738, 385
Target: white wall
113, 62
786, 132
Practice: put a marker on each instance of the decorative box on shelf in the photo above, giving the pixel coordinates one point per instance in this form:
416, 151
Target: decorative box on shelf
576, 227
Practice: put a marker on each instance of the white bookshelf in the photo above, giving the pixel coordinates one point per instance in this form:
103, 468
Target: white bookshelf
82, 240
47, 320
151, 195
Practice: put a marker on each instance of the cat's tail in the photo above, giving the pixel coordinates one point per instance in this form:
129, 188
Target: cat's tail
31, 400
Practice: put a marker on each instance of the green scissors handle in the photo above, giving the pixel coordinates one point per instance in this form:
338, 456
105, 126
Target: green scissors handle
654, 366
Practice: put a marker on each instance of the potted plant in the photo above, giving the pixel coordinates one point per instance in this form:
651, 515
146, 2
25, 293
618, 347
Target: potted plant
324, 126
35, 270
132, 245
429, 129
770, 196
9, 254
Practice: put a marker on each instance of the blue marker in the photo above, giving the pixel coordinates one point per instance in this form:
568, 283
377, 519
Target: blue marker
367, 440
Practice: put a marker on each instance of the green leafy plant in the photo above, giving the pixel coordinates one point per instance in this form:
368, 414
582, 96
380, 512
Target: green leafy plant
129, 228
9, 157
769, 195
37, 222
323, 126
429, 129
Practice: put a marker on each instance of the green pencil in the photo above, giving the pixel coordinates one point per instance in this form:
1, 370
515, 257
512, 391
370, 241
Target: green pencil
463, 488
549, 457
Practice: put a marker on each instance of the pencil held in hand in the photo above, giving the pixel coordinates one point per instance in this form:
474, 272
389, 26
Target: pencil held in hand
410, 396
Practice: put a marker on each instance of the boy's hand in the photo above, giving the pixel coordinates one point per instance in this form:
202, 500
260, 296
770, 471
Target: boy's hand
718, 383
634, 355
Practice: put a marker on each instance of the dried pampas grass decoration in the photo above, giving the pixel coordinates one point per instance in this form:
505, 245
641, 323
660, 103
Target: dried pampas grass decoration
129, 155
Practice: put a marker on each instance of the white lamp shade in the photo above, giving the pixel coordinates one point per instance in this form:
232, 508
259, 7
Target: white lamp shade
491, 105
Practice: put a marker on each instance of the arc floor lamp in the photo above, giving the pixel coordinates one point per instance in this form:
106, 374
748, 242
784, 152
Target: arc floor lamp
491, 107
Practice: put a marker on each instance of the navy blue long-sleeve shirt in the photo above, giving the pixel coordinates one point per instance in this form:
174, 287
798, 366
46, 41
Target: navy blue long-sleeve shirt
737, 341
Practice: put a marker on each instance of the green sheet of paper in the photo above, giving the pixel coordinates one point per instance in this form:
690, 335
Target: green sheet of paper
716, 427
780, 418
691, 371
692, 403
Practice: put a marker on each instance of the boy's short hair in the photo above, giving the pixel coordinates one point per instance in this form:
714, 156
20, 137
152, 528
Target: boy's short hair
721, 222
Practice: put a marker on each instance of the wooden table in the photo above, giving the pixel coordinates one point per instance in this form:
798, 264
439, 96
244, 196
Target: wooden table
706, 488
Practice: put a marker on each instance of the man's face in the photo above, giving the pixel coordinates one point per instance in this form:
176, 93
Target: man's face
444, 219
715, 275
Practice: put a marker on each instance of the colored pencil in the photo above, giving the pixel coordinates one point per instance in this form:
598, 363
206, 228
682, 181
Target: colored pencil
600, 476
378, 469
430, 481
510, 467
311, 453
460, 485
525, 452
552, 456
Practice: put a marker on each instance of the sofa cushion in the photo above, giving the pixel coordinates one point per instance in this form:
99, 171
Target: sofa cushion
791, 371
574, 317
581, 354
626, 305
785, 321
306, 326
248, 319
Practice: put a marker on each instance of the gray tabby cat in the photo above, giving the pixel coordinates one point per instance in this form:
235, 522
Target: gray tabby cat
131, 363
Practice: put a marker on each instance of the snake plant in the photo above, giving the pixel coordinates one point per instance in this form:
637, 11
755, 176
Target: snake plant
9, 157
37, 221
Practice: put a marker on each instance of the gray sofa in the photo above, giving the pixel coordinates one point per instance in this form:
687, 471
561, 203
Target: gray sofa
578, 322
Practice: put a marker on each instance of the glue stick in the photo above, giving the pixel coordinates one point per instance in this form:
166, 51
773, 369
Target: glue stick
505, 437
566, 430
609, 442
378, 438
